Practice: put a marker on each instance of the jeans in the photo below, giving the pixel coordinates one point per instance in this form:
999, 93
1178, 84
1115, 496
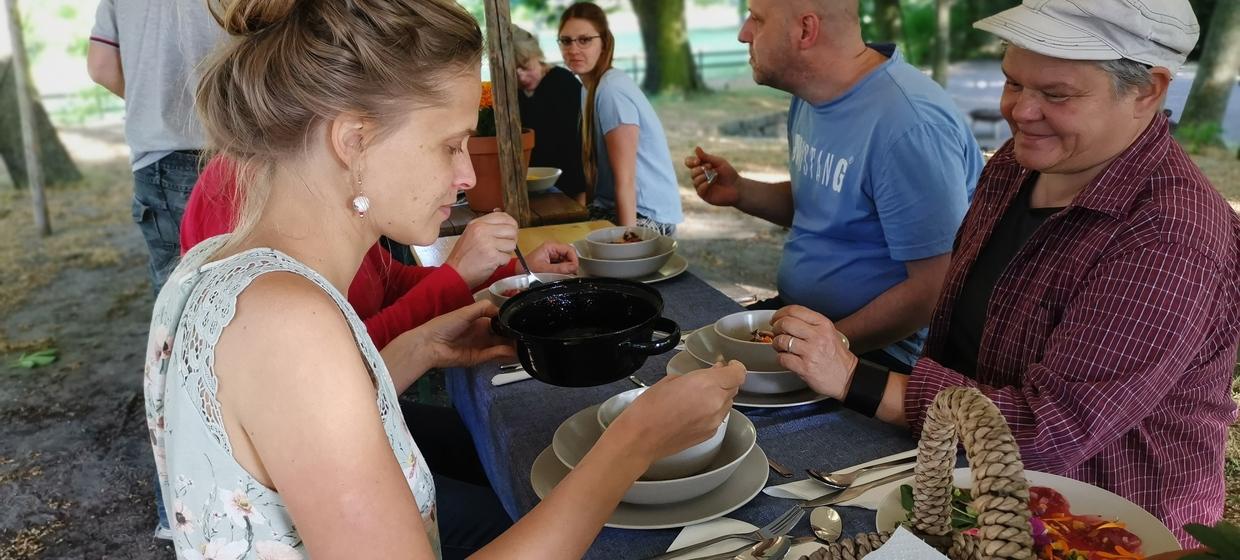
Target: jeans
470, 515
160, 193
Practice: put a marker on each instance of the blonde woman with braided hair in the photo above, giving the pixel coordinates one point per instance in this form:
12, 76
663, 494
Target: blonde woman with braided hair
273, 418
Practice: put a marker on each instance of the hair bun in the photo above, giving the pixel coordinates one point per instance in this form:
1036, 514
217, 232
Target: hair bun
248, 17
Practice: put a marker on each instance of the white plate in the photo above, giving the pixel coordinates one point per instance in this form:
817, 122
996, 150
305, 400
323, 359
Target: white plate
743, 485
577, 435
684, 362
671, 269
1083, 499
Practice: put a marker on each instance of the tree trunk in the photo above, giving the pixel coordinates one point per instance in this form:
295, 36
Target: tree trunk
888, 21
25, 109
57, 166
942, 40
1216, 73
665, 37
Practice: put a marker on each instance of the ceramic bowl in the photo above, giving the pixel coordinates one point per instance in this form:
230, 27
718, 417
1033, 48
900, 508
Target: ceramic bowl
607, 243
539, 179
765, 378
687, 462
734, 335
519, 283
634, 268
574, 439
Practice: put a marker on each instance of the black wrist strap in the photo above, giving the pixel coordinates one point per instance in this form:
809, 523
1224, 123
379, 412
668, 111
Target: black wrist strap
869, 382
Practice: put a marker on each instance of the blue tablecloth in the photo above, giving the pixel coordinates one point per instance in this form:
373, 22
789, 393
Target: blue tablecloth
512, 424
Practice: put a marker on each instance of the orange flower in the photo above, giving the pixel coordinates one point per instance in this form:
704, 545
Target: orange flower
488, 100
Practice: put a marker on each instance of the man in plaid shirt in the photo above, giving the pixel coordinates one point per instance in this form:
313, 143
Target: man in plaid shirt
1093, 291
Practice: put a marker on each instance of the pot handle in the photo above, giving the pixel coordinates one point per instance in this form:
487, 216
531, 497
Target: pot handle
499, 329
662, 345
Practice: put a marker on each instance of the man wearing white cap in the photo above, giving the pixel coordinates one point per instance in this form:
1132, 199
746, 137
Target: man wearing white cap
1092, 294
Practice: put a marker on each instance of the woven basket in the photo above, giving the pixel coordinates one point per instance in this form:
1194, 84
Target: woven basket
1000, 491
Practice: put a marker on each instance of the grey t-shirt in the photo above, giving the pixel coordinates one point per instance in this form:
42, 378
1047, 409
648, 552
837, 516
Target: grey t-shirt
162, 43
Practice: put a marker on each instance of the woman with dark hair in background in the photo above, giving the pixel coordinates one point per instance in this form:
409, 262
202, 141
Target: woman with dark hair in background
624, 149
550, 105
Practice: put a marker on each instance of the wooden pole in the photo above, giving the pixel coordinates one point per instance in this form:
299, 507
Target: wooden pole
503, 58
30, 135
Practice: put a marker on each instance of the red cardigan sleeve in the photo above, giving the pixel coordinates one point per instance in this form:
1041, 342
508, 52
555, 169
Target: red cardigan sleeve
211, 209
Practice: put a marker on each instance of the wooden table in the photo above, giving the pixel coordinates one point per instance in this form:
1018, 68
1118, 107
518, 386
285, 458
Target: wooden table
528, 239
545, 209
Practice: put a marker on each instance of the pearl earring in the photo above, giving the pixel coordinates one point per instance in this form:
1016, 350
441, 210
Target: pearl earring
360, 202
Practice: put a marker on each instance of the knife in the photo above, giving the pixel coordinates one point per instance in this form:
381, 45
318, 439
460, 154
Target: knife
856, 490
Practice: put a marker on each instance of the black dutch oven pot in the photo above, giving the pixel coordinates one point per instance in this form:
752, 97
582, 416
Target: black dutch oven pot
584, 332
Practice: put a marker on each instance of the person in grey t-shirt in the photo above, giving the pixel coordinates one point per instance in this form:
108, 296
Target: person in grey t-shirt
146, 52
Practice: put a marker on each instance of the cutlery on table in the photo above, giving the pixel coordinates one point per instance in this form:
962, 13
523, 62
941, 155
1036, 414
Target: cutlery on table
510, 377
853, 491
778, 468
843, 479
773, 548
778, 527
826, 524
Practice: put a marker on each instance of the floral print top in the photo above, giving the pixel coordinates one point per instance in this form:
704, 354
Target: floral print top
218, 510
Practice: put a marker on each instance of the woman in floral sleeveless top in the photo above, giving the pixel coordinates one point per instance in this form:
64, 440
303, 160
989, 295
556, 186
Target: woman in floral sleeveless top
273, 418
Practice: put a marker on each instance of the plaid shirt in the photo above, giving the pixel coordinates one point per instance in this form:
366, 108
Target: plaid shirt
1111, 336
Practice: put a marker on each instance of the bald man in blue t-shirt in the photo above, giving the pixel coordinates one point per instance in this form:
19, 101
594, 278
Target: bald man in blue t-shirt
882, 166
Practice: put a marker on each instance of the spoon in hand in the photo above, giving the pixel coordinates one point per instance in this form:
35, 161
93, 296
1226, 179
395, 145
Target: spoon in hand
533, 280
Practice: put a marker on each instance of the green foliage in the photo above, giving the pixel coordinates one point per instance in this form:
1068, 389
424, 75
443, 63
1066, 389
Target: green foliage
36, 359
67, 12
86, 105
78, 47
1223, 539
1195, 137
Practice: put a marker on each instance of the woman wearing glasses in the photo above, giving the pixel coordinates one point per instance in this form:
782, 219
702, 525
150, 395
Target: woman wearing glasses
550, 104
624, 150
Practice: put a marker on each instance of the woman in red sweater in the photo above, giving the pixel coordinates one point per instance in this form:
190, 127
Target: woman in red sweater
389, 296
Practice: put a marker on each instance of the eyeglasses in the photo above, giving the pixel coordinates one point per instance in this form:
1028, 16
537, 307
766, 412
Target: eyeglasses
582, 41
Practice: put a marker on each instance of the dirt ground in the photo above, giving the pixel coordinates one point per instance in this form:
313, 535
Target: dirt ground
75, 466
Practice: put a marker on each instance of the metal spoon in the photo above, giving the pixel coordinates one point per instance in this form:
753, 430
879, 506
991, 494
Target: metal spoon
533, 279
826, 523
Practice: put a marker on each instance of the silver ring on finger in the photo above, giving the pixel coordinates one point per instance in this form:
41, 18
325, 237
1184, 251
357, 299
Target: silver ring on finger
790, 341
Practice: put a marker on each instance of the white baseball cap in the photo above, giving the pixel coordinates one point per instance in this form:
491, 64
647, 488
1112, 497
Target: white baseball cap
1152, 32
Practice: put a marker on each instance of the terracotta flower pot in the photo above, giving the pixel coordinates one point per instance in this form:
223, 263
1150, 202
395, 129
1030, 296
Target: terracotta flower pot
488, 193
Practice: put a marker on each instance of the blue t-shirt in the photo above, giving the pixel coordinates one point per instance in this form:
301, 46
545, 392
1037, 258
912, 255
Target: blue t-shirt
619, 101
881, 175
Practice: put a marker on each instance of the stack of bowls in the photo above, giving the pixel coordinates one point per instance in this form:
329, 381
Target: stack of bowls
681, 476
606, 252
731, 338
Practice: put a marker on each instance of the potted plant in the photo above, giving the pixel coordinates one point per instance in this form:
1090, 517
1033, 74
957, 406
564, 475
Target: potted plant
488, 193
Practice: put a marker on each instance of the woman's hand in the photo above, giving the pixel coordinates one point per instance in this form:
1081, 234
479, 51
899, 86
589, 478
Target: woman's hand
551, 257
485, 245
462, 338
810, 347
680, 411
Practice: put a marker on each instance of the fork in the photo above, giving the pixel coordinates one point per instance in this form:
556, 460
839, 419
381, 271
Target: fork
779, 526
843, 480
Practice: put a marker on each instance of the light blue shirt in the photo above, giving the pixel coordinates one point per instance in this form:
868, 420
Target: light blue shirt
881, 175
619, 101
